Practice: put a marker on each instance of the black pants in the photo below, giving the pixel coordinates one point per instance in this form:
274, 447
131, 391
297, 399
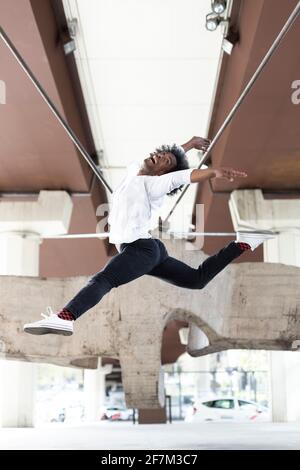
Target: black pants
149, 256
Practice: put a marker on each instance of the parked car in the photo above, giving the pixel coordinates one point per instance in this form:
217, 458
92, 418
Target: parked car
227, 409
60, 418
116, 413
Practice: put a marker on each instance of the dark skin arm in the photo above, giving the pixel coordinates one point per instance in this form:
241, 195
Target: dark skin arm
199, 143
198, 176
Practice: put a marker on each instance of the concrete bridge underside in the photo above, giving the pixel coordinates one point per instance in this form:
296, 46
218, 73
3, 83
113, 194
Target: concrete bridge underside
248, 305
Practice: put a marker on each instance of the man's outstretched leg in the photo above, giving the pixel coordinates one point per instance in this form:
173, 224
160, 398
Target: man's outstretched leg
180, 274
135, 259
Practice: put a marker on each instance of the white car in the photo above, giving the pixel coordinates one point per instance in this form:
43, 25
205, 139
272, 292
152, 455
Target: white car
117, 413
227, 409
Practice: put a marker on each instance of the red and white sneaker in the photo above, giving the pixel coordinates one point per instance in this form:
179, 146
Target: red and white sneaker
51, 324
254, 239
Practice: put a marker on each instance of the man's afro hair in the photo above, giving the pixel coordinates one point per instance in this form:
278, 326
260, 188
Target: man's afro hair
181, 160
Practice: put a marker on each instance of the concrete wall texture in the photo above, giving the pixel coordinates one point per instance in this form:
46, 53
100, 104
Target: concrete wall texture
248, 305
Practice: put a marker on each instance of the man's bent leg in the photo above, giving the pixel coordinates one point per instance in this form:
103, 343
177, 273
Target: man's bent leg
137, 258
89, 295
180, 274
134, 261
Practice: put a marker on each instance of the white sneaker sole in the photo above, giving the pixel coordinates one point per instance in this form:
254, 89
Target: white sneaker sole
44, 330
261, 234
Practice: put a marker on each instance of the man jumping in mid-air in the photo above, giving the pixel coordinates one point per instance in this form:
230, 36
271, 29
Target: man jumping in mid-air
134, 202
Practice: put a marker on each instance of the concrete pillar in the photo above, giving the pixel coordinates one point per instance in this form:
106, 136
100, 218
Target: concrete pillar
22, 224
19, 254
17, 393
250, 210
203, 378
285, 365
157, 416
94, 391
197, 339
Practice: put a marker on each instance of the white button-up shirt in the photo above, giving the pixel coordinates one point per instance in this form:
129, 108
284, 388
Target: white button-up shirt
136, 200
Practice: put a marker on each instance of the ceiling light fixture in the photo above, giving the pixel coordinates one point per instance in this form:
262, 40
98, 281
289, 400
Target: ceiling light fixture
69, 35
212, 21
218, 6
69, 47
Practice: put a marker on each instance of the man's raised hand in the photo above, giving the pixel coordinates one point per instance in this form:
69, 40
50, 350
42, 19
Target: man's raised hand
200, 143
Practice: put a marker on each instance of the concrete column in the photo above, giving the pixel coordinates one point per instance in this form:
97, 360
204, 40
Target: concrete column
197, 339
250, 210
285, 365
19, 254
22, 224
94, 391
200, 366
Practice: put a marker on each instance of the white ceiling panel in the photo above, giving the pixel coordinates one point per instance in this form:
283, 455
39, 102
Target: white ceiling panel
152, 82
116, 29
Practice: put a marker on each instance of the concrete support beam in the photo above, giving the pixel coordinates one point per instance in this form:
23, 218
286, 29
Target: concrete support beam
18, 250
250, 211
50, 214
228, 311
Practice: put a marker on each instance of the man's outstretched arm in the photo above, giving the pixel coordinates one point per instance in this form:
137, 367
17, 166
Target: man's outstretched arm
198, 176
